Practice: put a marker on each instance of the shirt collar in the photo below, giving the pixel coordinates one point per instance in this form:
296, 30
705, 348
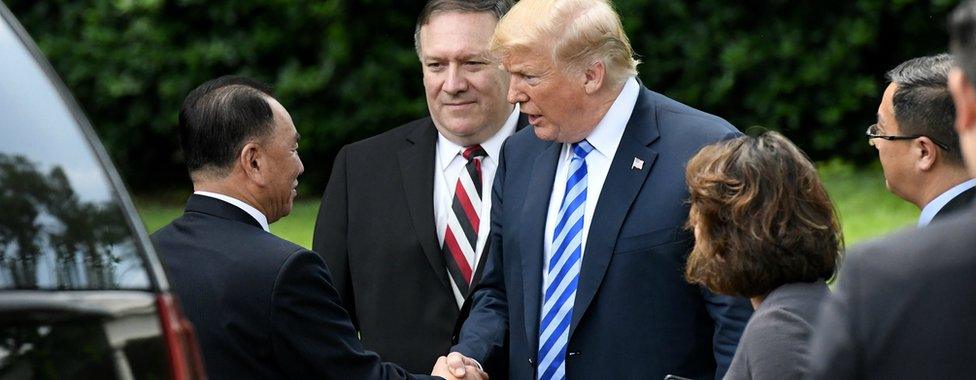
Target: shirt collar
250, 210
447, 150
936, 205
606, 136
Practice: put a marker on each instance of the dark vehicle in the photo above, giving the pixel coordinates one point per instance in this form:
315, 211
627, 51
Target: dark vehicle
82, 293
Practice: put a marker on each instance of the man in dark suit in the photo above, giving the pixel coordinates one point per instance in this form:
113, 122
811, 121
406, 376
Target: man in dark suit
916, 142
584, 279
403, 222
905, 305
263, 308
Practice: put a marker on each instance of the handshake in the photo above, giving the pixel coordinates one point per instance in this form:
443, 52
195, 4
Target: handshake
457, 366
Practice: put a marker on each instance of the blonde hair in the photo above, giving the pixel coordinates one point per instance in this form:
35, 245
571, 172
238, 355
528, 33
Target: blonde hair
579, 32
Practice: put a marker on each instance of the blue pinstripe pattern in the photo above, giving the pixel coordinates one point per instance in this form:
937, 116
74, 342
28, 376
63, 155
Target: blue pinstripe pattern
563, 270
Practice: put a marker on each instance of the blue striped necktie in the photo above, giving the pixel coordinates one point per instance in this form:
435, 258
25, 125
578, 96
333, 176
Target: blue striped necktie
562, 273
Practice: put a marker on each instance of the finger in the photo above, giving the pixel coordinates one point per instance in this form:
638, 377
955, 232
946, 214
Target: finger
456, 363
475, 370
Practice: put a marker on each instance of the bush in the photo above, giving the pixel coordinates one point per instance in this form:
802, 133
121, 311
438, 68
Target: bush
813, 70
347, 70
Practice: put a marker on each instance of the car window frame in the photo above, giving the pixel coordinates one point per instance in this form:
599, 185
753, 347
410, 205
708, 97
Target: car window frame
154, 269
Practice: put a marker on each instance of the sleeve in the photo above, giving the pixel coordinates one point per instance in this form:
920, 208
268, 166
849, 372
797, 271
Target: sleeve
730, 316
329, 238
835, 348
312, 335
777, 346
483, 333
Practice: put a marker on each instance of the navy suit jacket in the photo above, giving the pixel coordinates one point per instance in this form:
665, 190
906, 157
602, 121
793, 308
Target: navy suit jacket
262, 307
634, 314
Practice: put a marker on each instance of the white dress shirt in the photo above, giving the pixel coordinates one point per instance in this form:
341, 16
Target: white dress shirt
605, 138
253, 212
936, 205
448, 166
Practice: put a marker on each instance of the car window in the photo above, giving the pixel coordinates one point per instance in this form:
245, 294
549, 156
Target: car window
106, 348
61, 223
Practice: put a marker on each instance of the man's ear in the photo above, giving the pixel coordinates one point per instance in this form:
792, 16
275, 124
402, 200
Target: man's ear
964, 96
251, 161
926, 153
595, 74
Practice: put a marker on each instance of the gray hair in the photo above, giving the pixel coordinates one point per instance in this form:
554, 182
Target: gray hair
922, 102
496, 8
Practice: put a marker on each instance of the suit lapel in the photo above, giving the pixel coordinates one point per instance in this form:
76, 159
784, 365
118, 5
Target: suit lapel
533, 235
480, 265
417, 172
960, 202
621, 187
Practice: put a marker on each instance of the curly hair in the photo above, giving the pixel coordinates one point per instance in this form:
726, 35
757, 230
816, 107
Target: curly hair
761, 217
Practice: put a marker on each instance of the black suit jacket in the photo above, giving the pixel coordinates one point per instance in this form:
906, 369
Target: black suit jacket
263, 308
959, 203
376, 231
904, 307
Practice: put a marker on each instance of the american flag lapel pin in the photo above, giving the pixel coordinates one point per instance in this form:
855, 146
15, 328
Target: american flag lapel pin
638, 164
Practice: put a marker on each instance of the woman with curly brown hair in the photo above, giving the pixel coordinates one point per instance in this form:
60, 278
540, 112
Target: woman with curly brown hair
765, 229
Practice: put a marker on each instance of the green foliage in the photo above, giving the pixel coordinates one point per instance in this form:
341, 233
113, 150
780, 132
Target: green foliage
864, 205
813, 70
866, 209
346, 69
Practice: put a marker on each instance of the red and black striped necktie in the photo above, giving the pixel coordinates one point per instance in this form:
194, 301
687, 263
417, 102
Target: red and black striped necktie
461, 236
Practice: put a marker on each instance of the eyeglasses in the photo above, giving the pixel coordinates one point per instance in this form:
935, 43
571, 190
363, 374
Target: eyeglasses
874, 133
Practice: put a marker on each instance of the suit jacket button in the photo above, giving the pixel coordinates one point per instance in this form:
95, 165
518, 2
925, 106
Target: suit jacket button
573, 353
531, 362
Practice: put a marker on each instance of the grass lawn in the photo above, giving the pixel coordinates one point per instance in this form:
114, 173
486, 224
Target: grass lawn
866, 208
296, 227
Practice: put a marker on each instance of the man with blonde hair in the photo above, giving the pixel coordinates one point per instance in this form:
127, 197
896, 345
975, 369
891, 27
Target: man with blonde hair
584, 279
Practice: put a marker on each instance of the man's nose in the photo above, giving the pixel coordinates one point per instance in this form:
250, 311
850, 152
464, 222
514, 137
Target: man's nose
455, 81
514, 94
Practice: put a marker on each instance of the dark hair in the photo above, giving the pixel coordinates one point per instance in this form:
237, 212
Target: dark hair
764, 218
962, 37
922, 102
219, 117
496, 8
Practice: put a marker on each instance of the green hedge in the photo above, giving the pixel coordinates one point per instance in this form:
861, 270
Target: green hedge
346, 69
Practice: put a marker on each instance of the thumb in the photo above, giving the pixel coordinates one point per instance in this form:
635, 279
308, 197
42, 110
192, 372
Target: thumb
456, 362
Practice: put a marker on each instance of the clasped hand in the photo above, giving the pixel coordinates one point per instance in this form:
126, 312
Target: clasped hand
457, 366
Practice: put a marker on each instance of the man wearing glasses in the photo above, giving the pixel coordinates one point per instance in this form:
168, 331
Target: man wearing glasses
917, 144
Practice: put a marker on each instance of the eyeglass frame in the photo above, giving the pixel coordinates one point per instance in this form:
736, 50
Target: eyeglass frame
897, 137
